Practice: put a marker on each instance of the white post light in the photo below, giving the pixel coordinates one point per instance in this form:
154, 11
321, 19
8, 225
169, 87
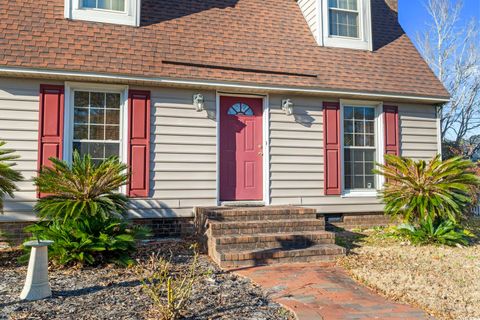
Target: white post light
36, 284
199, 102
287, 106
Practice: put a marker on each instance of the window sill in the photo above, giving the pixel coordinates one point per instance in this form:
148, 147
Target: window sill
360, 194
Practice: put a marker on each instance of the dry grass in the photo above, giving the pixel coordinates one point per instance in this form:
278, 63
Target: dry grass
444, 281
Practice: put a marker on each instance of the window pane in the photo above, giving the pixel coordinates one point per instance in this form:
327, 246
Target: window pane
97, 116
113, 100
348, 140
80, 132
358, 182
369, 155
358, 169
80, 99
359, 127
344, 4
359, 113
97, 100
113, 117
111, 149
96, 150
112, 133
89, 3
348, 126
359, 140
80, 115
81, 147
344, 24
348, 182
369, 113
368, 167
118, 5
370, 140
348, 168
358, 155
370, 182
97, 132
348, 113
369, 127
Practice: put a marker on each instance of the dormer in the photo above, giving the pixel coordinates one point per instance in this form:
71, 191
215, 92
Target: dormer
339, 23
126, 12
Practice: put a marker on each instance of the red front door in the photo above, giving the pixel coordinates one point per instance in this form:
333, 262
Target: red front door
241, 149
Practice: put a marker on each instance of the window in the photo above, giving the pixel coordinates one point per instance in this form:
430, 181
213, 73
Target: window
126, 12
114, 5
96, 124
359, 143
344, 18
240, 109
345, 24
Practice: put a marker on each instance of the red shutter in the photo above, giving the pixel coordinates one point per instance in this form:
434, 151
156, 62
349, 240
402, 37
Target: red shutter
331, 140
392, 144
139, 143
50, 125
50, 131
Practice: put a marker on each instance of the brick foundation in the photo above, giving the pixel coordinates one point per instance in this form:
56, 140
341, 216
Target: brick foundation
161, 228
351, 221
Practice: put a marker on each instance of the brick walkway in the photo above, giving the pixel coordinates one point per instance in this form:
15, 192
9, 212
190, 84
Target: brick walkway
315, 291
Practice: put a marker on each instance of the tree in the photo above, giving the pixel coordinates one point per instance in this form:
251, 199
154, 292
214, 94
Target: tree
451, 49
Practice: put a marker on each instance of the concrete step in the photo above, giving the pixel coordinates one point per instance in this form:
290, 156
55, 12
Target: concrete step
258, 213
220, 228
317, 253
272, 240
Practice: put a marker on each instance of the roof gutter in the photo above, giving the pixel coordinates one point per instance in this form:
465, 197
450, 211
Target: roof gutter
60, 74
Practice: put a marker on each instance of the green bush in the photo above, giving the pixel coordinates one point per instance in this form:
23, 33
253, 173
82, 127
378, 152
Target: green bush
417, 190
8, 176
435, 232
86, 241
84, 213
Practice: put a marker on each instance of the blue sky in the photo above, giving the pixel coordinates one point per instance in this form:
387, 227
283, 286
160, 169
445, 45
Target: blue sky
413, 15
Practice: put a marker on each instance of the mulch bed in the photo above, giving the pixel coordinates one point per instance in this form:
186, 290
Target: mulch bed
110, 292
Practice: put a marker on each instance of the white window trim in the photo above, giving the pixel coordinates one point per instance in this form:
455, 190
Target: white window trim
363, 42
379, 147
130, 17
70, 87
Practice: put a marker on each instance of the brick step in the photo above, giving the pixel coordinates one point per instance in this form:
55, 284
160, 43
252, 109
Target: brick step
273, 240
269, 226
258, 213
248, 258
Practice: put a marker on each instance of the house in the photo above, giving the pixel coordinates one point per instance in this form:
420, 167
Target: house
270, 102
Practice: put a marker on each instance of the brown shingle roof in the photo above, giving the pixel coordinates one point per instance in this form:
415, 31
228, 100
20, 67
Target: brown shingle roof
254, 41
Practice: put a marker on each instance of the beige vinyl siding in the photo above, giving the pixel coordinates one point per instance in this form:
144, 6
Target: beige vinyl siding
309, 10
19, 100
418, 131
183, 155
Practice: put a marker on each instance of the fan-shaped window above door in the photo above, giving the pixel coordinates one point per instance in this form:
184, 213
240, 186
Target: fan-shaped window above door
240, 109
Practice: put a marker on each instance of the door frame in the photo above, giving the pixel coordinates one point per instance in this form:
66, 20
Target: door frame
265, 139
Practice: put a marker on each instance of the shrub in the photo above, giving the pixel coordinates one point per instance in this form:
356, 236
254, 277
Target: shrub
8, 176
417, 190
438, 232
169, 290
84, 212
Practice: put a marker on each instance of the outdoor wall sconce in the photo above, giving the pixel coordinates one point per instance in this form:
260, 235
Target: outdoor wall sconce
199, 102
287, 106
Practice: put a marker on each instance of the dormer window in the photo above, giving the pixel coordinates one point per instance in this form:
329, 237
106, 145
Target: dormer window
113, 5
126, 12
339, 23
343, 18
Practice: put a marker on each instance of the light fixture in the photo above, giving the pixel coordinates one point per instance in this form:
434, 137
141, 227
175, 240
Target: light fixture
199, 102
287, 106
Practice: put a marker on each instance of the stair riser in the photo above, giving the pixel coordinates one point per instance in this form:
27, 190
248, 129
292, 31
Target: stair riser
256, 230
261, 216
262, 255
273, 244
260, 262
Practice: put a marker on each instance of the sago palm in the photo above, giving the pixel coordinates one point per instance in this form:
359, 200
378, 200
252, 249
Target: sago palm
8, 176
82, 189
439, 189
